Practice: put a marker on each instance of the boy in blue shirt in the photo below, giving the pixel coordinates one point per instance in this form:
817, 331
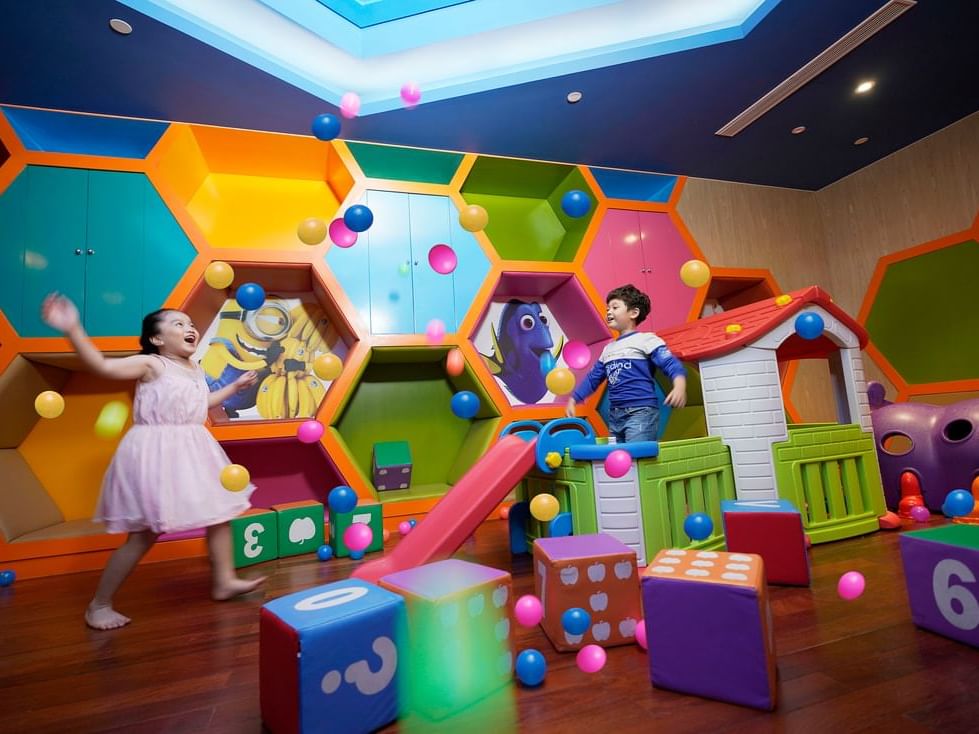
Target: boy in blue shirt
628, 364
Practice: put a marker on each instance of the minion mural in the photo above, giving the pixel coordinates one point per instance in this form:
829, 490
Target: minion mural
279, 341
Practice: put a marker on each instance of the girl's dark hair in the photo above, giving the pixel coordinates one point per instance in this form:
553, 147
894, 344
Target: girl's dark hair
151, 328
632, 297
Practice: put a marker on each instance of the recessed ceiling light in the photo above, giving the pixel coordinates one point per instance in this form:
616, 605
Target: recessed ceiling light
860, 141
574, 97
799, 130
865, 86
120, 26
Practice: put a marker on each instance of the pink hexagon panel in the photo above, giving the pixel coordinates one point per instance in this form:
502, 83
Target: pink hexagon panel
647, 250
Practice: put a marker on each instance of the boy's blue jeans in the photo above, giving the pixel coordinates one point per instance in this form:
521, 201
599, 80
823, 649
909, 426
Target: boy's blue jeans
629, 424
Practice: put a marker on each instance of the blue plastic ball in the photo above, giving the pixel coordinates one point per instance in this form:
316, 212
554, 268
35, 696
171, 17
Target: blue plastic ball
698, 526
7, 577
356, 555
326, 126
809, 325
575, 621
342, 499
547, 363
412, 522
250, 296
358, 218
465, 404
324, 553
958, 502
531, 667
576, 203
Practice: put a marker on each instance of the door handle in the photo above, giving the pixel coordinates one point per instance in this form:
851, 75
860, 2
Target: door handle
78, 250
90, 251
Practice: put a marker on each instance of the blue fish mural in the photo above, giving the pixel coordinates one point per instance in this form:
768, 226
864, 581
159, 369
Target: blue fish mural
519, 341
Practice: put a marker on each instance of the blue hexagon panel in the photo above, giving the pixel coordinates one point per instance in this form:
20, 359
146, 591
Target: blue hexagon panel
387, 276
103, 238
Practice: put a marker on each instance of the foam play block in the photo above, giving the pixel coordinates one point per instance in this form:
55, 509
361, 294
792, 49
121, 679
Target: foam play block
709, 626
391, 466
596, 573
460, 643
300, 527
941, 571
772, 529
255, 537
329, 658
368, 513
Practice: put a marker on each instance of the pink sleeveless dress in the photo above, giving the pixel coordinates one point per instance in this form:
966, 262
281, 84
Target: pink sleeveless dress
165, 475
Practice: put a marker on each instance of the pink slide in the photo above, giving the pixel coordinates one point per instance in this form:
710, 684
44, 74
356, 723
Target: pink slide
457, 515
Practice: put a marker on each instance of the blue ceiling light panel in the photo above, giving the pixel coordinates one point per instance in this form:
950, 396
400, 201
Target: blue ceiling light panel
63, 132
365, 13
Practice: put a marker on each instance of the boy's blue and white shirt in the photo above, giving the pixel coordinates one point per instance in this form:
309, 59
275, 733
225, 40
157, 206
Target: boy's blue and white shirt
628, 363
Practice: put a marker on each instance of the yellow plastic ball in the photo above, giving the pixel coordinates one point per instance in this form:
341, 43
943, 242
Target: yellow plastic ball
219, 274
473, 218
694, 273
112, 419
235, 477
544, 507
49, 404
560, 381
327, 367
312, 231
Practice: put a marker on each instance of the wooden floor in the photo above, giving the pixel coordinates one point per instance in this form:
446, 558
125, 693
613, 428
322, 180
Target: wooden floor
187, 664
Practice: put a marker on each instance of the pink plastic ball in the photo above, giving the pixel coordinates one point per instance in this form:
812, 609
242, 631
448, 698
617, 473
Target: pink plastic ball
341, 235
435, 331
577, 355
358, 536
851, 585
641, 634
309, 431
591, 659
350, 105
618, 463
919, 513
411, 94
404, 527
443, 259
528, 610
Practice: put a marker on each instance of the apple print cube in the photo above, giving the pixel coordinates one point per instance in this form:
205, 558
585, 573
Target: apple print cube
941, 571
596, 573
459, 642
255, 537
300, 527
709, 626
367, 513
329, 658
772, 529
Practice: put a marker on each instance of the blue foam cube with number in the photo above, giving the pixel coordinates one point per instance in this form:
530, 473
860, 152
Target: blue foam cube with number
329, 658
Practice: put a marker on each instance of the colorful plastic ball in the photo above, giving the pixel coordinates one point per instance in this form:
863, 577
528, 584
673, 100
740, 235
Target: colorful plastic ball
505, 512
531, 667
341, 499
575, 203
311, 231
7, 577
442, 259
358, 536
698, 526
577, 354
591, 659
326, 126
250, 296
560, 381
356, 555
386, 535
528, 610
327, 367
112, 419
809, 325
544, 507
919, 513
309, 431
851, 585
219, 274
958, 502
618, 463
465, 404
324, 552
454, 362
411, 94
358, 218
350, 105
341, 235
641, 634
547, 363
412, 521
49, 404
235, 477
435, 332
694, 273
473, 218
575, 621
404, 527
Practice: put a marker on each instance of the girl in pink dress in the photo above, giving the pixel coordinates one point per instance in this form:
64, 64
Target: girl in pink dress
165, 475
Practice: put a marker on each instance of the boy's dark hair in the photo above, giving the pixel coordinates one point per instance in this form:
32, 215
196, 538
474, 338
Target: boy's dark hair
632, 297
151, 328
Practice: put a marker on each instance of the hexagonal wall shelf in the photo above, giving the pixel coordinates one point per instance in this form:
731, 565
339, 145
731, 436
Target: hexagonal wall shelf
523, 199
249, 189
733, 287
404, 394
284, 470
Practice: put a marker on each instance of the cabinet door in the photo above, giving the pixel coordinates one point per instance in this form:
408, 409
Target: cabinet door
55, 244
165, 246
13, 235
625, 255
115, 259
664, 252
433, 292
390, 262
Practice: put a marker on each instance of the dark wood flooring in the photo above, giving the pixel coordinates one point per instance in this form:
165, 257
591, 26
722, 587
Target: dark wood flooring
187, 664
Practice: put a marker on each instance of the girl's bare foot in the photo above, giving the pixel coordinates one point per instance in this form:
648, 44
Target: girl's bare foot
235, 587
104, 618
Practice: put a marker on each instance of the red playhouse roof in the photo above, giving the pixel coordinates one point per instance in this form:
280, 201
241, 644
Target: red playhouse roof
724, 332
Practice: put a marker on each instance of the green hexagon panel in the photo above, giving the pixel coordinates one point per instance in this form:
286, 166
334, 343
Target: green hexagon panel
103, 238
924, 319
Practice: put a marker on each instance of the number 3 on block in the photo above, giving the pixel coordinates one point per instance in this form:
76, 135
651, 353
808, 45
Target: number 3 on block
965, 613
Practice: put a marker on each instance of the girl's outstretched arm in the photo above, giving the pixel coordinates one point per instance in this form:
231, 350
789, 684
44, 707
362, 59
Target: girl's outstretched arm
60, 313
244, 382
